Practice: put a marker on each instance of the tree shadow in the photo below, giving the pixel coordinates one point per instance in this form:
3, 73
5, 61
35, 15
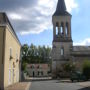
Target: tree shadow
64, 81
85, 88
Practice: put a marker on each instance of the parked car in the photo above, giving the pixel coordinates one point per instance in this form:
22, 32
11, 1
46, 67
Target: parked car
77, 76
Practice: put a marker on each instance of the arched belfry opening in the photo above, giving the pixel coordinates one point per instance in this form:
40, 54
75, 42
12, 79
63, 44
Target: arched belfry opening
62, 29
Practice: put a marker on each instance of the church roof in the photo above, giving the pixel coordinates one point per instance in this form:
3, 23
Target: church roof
61, 8
5, 21
81, 50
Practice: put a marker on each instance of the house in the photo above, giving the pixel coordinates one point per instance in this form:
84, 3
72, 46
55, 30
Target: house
38, 70
10, 49
63, 50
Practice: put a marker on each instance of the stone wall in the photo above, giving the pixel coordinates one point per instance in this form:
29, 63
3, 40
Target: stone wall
79, 60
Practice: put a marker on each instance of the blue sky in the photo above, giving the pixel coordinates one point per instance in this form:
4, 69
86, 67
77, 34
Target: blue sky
32, 20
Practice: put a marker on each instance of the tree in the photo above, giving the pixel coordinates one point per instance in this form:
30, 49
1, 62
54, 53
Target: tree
69, 67
24, 56
36, 54
25, 49
86, 69
24, 65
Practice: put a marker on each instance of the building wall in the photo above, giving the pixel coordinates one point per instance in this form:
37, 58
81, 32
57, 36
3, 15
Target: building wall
1, 55
56, 52
38, 72
61, 43
60, 19
79, 60
12, 65
57, 59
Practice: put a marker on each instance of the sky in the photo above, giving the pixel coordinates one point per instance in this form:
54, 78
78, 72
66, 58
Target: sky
32, 20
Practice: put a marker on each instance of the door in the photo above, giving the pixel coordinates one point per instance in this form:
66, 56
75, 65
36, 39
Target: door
12, 75
9, 76
17, 75
33, 74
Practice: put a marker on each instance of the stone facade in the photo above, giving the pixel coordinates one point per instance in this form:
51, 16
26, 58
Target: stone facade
62, 45
38, 70
10, 49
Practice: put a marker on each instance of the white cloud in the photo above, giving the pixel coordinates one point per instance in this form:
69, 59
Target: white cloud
15, 16
71, 4
37, 18
85, 42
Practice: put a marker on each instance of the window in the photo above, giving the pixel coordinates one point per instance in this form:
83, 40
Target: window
56, 30
62, 51
42, 73
38, 73
11, 54
38, 67
30, 66
57, 24
66, 31
10, 51
66, 28
61, 30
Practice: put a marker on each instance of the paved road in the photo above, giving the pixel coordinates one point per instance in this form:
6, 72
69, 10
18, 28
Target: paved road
55, 85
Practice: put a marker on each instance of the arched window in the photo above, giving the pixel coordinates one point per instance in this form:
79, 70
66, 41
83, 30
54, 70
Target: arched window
10, 52
66, 31
66, 28
62, 51
61, 28
56, 30
57, 24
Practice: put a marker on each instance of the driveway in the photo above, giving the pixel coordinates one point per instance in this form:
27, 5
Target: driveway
56, 85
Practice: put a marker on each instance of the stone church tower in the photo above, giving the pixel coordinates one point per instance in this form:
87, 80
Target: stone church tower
62, 39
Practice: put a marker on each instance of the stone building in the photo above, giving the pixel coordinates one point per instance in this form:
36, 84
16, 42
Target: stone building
10, 49
38, 70
63, 50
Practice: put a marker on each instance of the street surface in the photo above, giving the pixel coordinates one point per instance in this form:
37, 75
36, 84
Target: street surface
56, 85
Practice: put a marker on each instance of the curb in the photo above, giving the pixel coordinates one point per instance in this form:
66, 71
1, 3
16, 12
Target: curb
28, 86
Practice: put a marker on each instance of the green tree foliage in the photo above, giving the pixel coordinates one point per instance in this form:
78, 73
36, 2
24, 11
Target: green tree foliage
69, 67
86, 69
24, 66
24, 56
25, 49
34, 54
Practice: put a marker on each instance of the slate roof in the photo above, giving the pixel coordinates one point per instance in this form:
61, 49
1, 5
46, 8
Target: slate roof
61, 9
81, 48
80, 51
4, 20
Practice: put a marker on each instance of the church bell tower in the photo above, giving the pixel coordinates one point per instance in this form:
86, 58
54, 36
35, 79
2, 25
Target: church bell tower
62, 39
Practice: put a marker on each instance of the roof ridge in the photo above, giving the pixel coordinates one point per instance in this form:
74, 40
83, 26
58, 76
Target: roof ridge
8, 23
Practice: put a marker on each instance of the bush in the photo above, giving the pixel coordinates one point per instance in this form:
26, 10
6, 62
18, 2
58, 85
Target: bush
86, 69
69, 67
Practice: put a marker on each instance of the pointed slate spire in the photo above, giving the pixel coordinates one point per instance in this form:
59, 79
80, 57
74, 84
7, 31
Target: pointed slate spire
61, 8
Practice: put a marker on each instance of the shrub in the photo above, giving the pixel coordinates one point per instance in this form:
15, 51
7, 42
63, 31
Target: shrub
86, 69
69, 67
